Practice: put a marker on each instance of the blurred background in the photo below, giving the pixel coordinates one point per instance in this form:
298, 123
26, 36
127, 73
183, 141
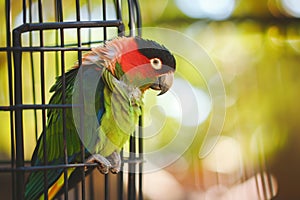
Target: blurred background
255, 45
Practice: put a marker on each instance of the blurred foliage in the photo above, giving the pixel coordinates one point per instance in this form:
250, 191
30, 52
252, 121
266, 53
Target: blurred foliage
258, 61
257, 53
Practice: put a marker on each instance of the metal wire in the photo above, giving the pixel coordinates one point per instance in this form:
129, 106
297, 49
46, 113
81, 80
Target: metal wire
18, 115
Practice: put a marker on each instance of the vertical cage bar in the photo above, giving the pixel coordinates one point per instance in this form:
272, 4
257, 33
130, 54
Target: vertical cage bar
91, 190
106, 176
141, 157
43, 98
134, 14
262, 171
267, 181
121, 178
118, 9
64, 116
90, 18
91, 183
104, 19
18, 115
56, 38
24, 11
132, 168
106, 187
76, 195
19, 112
140, 139
131, 190
257, 187
79, 55
121, 28
10, 88
131, 18
138, 17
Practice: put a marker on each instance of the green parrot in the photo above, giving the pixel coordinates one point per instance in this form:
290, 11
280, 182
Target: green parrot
110, 81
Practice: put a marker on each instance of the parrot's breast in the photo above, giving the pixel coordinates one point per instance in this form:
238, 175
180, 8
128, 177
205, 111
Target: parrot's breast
122, 105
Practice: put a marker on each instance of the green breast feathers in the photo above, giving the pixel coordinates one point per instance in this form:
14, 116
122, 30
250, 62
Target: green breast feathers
122, 104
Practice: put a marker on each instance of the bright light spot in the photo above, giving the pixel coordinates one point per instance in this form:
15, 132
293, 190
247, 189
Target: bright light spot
225, 157
217, 9
292, 7
214, 9
155, 189
187, 104
190, 8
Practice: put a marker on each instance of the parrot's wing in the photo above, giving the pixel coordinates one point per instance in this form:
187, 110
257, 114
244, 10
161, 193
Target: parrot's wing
54, 135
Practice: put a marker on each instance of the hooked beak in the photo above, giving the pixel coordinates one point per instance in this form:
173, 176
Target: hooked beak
163, 83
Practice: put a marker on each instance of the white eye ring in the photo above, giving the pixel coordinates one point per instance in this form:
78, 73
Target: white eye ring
156, 63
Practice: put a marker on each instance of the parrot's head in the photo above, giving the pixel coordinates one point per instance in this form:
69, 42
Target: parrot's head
144, 63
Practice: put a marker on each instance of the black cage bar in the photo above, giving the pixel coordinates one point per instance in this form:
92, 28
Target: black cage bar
38, 48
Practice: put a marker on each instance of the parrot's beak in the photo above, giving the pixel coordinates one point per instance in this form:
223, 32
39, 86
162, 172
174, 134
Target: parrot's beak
163, 83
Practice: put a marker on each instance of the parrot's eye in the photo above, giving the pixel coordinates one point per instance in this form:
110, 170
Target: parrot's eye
156, 63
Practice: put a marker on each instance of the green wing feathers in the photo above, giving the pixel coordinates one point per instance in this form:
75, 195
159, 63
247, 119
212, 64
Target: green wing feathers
54, 140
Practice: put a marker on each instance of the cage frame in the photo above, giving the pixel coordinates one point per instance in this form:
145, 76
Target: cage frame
14, 50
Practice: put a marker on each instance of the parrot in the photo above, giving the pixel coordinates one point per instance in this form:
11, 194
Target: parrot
115, 76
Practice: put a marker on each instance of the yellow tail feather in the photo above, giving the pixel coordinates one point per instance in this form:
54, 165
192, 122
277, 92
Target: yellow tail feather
52, 191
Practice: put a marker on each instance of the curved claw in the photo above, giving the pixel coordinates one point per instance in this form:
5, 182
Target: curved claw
115, 161
103, 164
111, 163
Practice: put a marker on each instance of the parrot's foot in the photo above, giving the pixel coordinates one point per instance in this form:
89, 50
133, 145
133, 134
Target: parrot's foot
115, 161
103, 164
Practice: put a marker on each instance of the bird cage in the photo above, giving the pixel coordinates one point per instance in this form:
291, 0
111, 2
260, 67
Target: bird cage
44, 39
